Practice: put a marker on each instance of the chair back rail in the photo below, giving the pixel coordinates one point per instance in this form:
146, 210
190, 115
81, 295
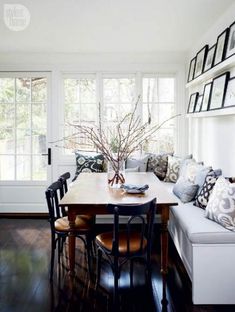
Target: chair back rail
135, 213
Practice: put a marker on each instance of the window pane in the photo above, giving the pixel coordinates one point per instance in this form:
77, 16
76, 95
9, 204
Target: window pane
39, 141
23, 89
39, 118
158, 112
39, 89
127, 90
161, 142
23, 168
7, 142
158, 106
119, 96
7, 115
23, 141
7, 90
88, 112
72, 113
23, 115
75, 142
7, 167
166, 89
71, 90
88, 90
111, 112
39, 166
150, 91
111, 90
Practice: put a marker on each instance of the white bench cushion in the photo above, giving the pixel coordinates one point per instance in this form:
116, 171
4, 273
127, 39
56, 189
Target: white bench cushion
197, 227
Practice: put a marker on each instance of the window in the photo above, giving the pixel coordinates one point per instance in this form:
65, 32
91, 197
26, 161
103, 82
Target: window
23, 123
158, 106
118, 100
80, 107
110, 97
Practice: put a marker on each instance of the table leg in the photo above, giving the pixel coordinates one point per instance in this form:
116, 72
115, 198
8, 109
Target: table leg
164, 252
72, 241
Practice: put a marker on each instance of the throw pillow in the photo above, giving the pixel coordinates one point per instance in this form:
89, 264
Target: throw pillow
203, 195
88, 163
157, 163
138, 162
173, 167
221, 205
135, 169
192, 171
185, 190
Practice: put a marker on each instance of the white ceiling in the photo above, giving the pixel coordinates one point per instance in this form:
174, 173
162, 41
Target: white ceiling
92, 26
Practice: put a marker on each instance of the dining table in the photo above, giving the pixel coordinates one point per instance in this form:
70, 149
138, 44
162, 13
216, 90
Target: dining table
90, 193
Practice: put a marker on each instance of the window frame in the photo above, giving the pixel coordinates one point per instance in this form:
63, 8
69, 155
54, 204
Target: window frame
138, 76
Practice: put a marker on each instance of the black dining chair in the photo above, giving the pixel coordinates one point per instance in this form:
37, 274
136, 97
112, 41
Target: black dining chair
134, 241
63, 179
60, 226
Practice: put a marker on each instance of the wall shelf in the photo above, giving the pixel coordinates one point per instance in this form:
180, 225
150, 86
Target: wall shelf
213, 72
217, 112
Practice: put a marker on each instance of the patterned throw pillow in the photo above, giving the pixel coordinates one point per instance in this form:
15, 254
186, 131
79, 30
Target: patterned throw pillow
203, 196
87, 163
173, 169
221, 205
158, 164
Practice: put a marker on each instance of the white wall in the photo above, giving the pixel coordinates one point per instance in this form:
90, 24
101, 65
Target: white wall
211, 139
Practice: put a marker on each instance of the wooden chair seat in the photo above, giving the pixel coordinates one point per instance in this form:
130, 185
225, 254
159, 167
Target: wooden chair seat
82, 223
105, 240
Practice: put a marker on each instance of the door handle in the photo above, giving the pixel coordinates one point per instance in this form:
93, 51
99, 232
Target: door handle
48, 154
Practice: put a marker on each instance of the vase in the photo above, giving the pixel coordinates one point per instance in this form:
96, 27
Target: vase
116, 173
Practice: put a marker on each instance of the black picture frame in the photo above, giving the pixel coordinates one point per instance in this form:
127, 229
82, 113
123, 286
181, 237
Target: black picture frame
192, 102
210, 58
229, 100
230, 49
191, 69
198, 105
218, 90
200, 61
221, 44
206, 97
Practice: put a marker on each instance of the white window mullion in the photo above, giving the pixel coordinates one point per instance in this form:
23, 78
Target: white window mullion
139, 92
99, 99
15, 134
31, 132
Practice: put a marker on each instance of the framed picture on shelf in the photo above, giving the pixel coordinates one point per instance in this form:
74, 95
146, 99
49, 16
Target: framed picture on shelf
210, 58
191, 69
200, 60
219, 85
192, 102
206, 97
230, 93
221, 47
231, 41
198, 104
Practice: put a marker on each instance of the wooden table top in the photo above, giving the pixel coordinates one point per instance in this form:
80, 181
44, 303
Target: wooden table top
92, 189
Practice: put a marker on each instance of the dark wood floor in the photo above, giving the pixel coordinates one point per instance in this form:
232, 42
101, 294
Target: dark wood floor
25, 287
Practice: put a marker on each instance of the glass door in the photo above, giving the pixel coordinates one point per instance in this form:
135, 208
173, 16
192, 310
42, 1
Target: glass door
23, 127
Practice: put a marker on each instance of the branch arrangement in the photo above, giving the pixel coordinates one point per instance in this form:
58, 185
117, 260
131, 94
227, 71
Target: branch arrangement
119, 143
